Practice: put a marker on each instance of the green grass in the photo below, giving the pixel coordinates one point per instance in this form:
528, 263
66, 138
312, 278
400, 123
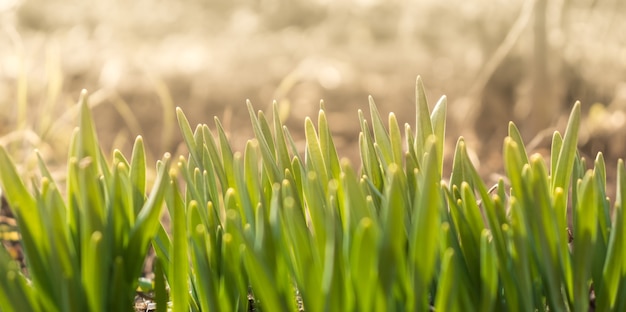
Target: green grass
85, 248
313, 231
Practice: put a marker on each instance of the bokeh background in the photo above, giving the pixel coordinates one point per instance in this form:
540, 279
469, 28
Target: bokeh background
496, 60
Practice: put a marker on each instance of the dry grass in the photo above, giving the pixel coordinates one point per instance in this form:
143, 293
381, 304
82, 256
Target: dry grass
140, 59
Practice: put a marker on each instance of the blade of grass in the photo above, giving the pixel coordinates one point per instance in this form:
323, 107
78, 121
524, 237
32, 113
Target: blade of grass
279, 138
585, 233
423, 123
370, 161
613, 270
362, 265
94, 269
392, 259
138, 174
438, 119
395, 139
211, 157
327, 146
447, 294
568, 151
488, 272
315, 160
265, 143
380, 134
160, 291
147, 221
515, 135
180, 262
425, 229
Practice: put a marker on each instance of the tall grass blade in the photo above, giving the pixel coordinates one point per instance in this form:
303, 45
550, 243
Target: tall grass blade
425, 229
180, 261
567, 154
438, 119
423, 123
261, 132
613, 269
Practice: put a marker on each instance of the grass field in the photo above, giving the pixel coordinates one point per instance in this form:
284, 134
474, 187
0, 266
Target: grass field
525, 61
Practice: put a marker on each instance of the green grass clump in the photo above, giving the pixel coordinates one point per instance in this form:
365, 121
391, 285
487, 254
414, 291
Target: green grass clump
86, 249
286, 231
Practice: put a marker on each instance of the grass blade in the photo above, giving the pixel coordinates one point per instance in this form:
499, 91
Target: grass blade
423, 123
438, 118
567, 154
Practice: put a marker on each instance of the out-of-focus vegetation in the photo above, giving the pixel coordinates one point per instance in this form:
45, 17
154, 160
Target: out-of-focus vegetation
140, 58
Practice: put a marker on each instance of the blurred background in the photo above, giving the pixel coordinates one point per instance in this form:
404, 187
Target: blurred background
522, 60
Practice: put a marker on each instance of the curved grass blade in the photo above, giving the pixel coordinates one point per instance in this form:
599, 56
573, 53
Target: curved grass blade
369, 159
395, 139
315, 159
585, 234
488, 272
327, 146
438, 119
188, 136
212, 160
380, 134
87, 141
279, 138
567, 153
447, 294
179, 267
426, 221
394, 223
515, 135
94, 269
555, 149
138, 174
160, 291
613, 270
147, 221
227, 156
261, 132
423, 123
362, 266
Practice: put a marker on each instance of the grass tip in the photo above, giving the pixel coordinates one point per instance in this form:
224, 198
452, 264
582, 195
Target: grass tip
173, 172
536, 157
370, 99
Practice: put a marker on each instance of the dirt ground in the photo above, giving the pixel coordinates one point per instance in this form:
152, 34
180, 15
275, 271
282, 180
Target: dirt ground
521, 60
